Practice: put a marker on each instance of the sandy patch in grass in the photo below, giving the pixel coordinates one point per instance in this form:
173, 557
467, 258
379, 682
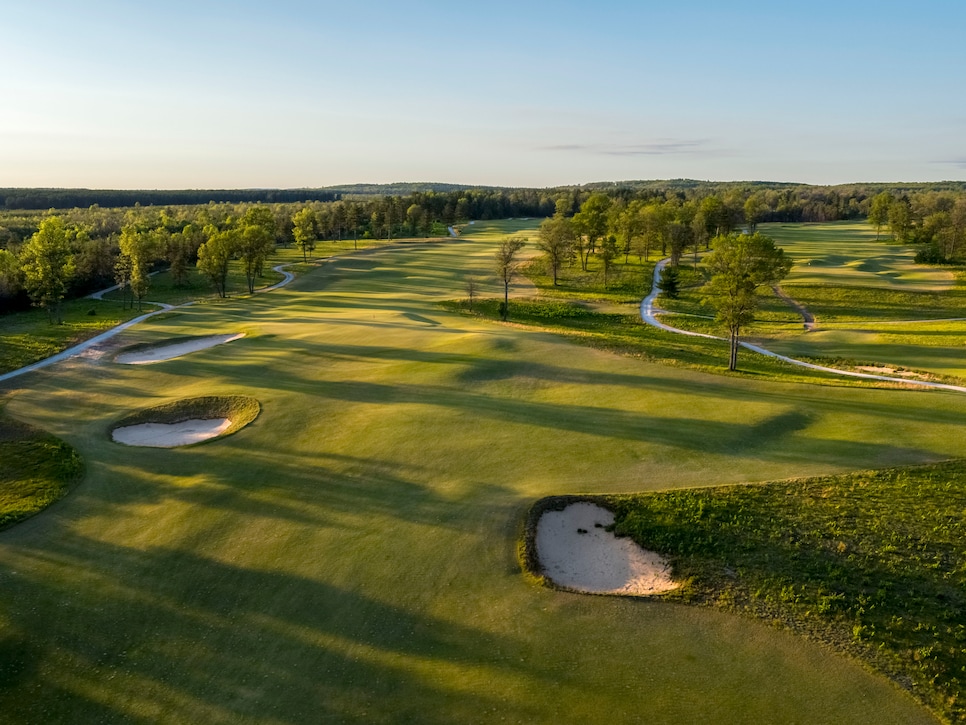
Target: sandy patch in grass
576, 552
160, 353
170, 435
888, 371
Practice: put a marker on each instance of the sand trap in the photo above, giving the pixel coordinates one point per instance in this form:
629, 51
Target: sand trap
170, 435
596, 561
167, 352
888, 371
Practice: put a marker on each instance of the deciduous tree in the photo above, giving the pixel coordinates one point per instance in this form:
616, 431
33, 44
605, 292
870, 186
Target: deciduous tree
556, 241
48, 266
507, 266
879, 211
305, 231
740, 264
215, 255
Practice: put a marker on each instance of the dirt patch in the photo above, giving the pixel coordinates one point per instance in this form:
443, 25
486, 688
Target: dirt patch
170, 435
888, 371
169, 351
576, 551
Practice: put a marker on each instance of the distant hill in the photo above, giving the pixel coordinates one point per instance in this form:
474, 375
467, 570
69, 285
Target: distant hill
402, 188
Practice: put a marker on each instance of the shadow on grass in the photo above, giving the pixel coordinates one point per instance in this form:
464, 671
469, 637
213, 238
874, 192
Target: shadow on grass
191, 639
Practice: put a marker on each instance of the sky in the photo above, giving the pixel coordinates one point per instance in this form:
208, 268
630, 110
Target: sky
290, 94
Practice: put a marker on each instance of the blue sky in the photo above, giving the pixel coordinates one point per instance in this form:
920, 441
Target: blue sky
216, 94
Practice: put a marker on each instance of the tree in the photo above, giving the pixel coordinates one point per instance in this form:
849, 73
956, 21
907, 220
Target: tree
556, 241
472, 290
754, 210
591, 221
507, 266
256, 242
215, 255
9, 274
48, 266
669, 282
900, 219
608, 253
304, 231
139, 248
255, 245
739, 265
879, 211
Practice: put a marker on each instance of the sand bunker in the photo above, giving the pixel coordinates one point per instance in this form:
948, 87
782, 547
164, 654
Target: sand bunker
160, 353
170, 435
576, 552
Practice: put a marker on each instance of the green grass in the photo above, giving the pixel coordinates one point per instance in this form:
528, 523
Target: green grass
27, 337
36, 469
623, 332
496, 230
350, 556
871, 562
847, 253
239, 409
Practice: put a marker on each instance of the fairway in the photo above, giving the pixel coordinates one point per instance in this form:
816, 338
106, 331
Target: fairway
350, 555
847, 253
873, 305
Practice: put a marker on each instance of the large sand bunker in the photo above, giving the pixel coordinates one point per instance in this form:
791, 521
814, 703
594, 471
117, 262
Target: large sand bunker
186, 422
576, 552
170, 435
159, 353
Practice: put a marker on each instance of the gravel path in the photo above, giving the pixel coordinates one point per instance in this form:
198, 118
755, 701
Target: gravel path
807, 316
649, 315
107, 335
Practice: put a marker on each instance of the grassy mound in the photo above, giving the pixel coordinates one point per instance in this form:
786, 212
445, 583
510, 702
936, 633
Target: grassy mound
873, 563
36, 469
239, 409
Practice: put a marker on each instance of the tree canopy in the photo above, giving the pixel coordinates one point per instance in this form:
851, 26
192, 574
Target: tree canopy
47, 264
740, 264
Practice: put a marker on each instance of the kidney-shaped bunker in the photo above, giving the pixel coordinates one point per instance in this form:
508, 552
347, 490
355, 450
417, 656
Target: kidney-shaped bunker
185, 422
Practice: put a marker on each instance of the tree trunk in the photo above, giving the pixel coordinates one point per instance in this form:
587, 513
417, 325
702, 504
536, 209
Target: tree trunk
733, 360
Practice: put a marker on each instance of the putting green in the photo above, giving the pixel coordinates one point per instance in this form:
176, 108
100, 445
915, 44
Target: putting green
350, 555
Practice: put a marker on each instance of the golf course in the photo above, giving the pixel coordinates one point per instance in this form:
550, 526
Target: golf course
352, 554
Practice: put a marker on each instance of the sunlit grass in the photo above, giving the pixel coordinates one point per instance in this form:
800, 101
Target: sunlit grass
349, 556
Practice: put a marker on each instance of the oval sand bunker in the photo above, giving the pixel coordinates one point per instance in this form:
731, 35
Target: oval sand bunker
170, 435
160, 353
576, 552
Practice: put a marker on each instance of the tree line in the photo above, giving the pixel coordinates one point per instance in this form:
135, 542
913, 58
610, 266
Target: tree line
933, 220
71, 198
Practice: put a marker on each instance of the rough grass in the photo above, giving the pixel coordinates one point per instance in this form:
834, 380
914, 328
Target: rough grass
871, 562
27, 337
239, 409
36, 469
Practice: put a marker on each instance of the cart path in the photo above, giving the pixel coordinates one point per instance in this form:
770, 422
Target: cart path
649, 315
108, 334
807, 316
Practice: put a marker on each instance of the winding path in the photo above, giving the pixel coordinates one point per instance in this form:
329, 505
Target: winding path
649, 315
807, 316
108, 334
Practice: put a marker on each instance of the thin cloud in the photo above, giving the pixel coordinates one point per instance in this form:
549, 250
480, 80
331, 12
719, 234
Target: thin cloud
959, 163
662, 147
